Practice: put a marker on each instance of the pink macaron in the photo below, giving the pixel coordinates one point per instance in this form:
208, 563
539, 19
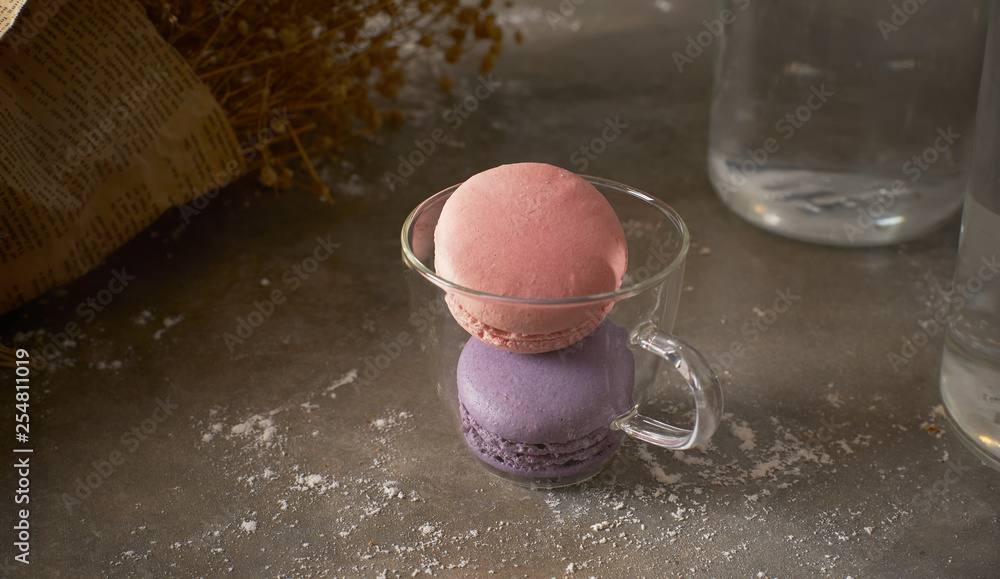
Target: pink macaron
529, 230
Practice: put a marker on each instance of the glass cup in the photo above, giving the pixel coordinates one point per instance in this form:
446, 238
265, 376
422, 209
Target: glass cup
557, 418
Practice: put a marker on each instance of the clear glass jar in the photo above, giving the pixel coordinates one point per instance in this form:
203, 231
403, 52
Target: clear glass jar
845, 122
970, 367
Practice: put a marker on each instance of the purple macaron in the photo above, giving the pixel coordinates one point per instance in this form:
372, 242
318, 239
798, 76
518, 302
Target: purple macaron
546, 416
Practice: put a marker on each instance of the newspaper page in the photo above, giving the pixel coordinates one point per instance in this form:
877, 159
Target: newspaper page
104, 127
8, 13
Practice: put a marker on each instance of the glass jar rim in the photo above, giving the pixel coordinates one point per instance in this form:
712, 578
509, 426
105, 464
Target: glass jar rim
414, 263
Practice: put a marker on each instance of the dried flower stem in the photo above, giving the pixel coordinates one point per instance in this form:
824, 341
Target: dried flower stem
218, 29
324, 62
309, 167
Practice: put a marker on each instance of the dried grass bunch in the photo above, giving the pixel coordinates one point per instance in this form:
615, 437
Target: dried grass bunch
323, 61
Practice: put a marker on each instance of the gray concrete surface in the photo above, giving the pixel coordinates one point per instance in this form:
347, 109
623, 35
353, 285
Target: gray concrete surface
261, 458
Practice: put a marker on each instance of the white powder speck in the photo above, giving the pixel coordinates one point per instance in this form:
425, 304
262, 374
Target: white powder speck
834, 400
387, 422
664, 5
762, 469
427, 529
259, 430
663, 477
600, 526
316, 483
347, 378
265, 282
207, 437
249, 526
571, 568
655, 469
168, 323
742, 431
844, 447
143, 318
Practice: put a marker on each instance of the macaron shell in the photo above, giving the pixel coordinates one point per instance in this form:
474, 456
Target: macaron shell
515, 342
555, 397
540, 460
530, 230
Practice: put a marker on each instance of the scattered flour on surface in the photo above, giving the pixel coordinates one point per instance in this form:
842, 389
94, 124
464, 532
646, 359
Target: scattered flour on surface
688, 497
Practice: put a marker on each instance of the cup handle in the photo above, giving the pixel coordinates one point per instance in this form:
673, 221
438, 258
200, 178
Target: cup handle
704, 386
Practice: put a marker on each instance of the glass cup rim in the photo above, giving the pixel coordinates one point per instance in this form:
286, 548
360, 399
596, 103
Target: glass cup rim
414, 263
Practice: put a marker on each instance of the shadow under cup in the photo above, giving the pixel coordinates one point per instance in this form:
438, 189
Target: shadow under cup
556, 418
